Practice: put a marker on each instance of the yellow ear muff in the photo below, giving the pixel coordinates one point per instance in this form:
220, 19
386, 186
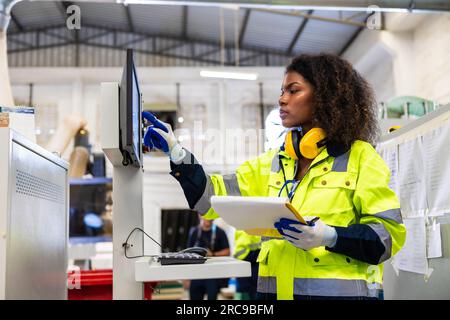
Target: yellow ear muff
312, 143
289, 144
309, 146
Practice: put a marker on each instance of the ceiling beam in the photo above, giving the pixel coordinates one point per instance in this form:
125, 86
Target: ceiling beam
170, 37
253, 56
298, 34
209, 52
54, 35
17, 22
46, 46
135, 40
153, 52
333, 5
184, 22
356, 15
27, 45
143, 51
129, 17
314, 17
350, 41
63, 5
244, 27
95, 36
77, 48
357, 32
170, 47
77, 40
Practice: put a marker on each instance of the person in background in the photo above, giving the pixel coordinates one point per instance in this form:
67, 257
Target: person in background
208, 235
247, 248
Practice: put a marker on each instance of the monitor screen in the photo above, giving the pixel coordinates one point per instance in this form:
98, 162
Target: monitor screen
130, 114
136, 115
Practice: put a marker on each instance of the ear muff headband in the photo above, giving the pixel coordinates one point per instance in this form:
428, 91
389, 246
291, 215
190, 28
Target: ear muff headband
296, 139
289, 145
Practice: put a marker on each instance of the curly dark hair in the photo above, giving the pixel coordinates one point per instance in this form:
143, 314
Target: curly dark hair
344, 103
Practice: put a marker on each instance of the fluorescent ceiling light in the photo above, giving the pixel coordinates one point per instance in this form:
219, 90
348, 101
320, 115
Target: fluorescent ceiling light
228, 75
269, 5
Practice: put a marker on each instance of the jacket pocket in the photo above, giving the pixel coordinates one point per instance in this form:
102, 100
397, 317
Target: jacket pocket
321, 258
275, 185
330, 197
334, 180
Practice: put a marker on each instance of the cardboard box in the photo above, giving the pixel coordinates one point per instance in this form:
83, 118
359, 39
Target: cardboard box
20, 119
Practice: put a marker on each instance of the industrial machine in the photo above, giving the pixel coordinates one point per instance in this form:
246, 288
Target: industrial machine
33, 220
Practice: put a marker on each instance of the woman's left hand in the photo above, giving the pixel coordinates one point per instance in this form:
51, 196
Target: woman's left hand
306, 237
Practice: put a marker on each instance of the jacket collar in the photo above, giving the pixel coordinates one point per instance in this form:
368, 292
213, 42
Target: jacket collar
322, 155
334, 151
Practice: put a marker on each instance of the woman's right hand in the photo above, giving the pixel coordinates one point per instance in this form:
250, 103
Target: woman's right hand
159, 135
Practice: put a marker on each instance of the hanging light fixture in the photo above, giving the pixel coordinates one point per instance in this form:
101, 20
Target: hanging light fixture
223, 73
228, 75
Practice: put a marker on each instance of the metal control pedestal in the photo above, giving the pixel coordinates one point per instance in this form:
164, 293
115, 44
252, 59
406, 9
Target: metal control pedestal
127, 199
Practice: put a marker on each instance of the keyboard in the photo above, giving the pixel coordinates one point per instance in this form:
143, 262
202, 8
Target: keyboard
168, 258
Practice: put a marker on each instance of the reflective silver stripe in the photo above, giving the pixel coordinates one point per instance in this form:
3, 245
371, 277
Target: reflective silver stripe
333, 288
254, 246
264, 239
392, 214
240, 252
204, 203
275, 167
322, 287
250, 247
267, 285
385, 238
188, 158
232, 185
340, 162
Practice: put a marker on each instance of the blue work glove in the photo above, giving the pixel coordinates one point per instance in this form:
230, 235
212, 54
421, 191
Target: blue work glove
306, 237
159, 135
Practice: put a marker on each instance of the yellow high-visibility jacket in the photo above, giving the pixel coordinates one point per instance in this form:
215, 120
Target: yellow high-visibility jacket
244, 243
349, 192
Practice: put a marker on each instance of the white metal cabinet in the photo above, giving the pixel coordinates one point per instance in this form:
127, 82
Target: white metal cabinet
33, 220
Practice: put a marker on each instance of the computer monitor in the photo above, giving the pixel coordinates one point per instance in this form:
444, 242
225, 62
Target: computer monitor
130, 109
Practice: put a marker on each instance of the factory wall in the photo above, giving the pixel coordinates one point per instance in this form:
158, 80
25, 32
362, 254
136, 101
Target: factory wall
407, 58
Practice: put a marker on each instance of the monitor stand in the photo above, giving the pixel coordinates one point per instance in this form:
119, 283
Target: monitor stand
127, 215
127, 199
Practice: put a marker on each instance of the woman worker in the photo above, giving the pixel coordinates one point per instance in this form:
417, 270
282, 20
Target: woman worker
329, 169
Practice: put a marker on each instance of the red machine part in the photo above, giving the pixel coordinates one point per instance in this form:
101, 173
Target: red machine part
97, 285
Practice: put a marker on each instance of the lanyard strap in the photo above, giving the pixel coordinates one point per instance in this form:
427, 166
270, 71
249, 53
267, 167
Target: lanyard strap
286, 182
213, 237
290, 193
